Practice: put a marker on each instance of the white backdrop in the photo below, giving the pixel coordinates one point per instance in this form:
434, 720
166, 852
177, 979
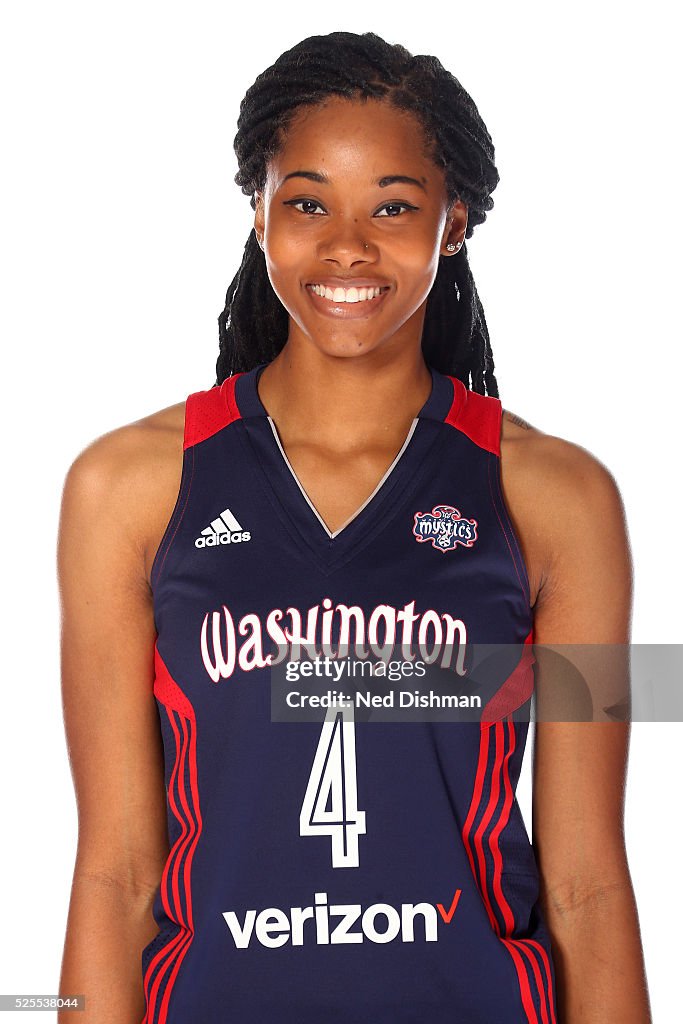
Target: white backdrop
122, 227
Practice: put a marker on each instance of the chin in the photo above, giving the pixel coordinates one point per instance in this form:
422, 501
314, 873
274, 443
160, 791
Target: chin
344, 348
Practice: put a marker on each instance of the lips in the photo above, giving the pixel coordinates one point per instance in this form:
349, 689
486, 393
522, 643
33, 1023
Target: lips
352, 293
355, 300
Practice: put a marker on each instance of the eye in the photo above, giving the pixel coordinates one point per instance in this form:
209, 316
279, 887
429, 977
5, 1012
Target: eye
307, 203
396, 207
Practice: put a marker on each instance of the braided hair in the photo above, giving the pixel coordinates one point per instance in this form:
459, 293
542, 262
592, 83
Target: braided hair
253, 326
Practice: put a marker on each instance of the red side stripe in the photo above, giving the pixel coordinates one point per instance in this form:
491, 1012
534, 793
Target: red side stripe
537, 977
476, 415
533, 951
483, 824
207, 412
174, 946
474, 805
545, 992
178, 894
516, 689
167, 690
187, 877
523, 978
503, 819
542, 952
151, 996
187, 822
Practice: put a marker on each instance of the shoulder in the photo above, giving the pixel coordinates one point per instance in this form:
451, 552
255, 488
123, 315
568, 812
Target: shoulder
127, 479
558, 494
124, 456
559, 467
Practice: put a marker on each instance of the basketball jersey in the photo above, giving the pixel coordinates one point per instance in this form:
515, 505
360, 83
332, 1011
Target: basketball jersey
344, 869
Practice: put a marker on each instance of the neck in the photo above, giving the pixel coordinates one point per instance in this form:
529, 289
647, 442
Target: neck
344, 402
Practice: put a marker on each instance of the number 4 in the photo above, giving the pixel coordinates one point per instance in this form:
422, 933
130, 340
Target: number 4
333, 781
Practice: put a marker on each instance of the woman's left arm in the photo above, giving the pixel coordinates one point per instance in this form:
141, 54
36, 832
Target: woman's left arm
579, 767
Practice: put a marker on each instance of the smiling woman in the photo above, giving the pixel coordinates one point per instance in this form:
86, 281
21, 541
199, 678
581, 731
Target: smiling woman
394, 153
350, 488
391, 228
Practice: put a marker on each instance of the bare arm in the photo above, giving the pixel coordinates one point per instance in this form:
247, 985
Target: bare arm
112, 728
579, 767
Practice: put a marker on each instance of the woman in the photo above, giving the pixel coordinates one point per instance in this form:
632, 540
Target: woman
350, 485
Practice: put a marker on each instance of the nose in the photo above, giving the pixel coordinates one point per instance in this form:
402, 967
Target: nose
346, 243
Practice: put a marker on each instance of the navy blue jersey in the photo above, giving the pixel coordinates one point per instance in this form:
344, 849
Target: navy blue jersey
343, 869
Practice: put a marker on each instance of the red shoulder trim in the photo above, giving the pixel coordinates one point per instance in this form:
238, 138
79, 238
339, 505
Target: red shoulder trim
167, 691
207, 412
476, 415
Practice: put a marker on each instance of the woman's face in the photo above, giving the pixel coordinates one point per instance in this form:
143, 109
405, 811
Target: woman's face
352, 220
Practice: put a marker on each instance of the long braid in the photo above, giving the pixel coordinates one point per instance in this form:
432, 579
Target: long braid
253, 326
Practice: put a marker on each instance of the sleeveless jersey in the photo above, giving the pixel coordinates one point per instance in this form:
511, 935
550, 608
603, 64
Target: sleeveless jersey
344, 869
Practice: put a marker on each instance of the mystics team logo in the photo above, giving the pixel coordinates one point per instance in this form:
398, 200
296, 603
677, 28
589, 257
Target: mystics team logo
445, 528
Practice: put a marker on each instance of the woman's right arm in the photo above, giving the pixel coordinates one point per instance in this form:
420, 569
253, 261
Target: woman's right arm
112, 727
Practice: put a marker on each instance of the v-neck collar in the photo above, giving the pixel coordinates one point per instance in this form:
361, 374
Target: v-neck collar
367, 501
290, 498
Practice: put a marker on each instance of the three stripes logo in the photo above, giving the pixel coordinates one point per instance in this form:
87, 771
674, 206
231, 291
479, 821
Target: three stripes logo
223, 530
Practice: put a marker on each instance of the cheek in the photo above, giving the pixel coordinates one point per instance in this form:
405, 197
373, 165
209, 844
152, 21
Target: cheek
417, 269
415, 251
284, 287
282, 254
284, 263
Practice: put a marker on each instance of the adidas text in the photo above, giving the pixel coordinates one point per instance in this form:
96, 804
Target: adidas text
213, 540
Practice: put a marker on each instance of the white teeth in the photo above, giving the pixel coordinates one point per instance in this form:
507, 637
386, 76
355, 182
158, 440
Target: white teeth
345, 294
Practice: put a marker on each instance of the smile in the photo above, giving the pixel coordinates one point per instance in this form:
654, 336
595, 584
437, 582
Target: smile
347, 294
356, 303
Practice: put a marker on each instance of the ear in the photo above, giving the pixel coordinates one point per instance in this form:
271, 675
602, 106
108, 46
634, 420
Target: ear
259, 218
456, 226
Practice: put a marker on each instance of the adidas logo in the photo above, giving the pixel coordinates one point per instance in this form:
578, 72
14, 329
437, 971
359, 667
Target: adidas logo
223, 530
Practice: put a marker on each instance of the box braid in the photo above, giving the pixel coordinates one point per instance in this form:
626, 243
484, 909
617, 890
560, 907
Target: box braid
253, 326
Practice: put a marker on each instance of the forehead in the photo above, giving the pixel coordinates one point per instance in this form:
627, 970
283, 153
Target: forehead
354, 136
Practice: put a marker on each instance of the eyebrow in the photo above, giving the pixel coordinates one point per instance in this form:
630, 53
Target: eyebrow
389, 179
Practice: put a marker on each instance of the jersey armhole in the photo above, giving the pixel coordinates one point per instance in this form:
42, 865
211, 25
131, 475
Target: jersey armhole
186, 475
503, 514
